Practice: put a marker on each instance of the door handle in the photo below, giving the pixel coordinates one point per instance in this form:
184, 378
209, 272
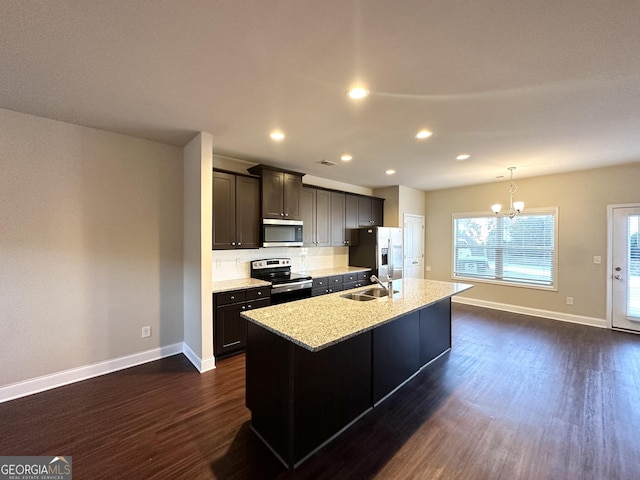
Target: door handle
617, 269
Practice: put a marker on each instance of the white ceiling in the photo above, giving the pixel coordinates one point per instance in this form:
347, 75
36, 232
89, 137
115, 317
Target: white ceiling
547, 86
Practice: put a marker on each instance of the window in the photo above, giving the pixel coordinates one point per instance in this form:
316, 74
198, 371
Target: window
518, 251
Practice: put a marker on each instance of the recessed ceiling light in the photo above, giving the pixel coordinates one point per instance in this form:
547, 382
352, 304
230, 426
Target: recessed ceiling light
424, 134
464, 156
277, 135
391, 171
357, 92
346, 157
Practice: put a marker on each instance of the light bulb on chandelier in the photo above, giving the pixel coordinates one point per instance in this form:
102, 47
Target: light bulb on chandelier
514, 207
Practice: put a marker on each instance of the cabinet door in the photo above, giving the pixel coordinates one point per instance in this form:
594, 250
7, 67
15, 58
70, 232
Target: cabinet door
308, 215
247, 212
323, 218
230, 329
364, 211
351, 218
292, 185
272, 194
224, 211
337, 219
377, 210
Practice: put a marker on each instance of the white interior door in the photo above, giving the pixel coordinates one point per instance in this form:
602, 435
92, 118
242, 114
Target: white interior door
625, 268
413, 246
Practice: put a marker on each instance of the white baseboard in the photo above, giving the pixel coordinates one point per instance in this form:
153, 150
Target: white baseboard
534, 312
202, 364
65, 377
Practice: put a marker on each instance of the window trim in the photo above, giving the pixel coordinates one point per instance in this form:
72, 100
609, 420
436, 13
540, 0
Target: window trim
530, 211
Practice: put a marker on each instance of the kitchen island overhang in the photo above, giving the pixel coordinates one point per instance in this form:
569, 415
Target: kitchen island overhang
315, 366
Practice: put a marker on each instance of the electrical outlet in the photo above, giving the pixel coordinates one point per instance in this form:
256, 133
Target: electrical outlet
569, 300
146, 331
218, 263
597, 259
428, 268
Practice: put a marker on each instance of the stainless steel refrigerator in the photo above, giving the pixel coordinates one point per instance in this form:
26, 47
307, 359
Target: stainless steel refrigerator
380, 249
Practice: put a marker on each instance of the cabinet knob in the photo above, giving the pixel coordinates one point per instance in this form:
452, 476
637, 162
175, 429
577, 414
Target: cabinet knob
259, 293
239, 243
319, 283
243, 307
248, 306
233, 243
232, 297
286, 214
282, 214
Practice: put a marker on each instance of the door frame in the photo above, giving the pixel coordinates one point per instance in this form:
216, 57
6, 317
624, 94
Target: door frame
609, 265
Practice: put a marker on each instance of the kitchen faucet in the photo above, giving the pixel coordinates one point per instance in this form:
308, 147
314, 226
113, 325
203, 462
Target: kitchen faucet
388, 288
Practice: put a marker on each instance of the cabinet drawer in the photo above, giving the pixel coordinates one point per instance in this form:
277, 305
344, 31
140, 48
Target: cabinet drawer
226, 298
320, 282
319, 291
258, 303
257, 293
364, 276
350, 277
335, 280
350, 285
335, 288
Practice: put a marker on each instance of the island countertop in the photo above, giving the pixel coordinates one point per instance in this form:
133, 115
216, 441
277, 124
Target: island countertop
319, 322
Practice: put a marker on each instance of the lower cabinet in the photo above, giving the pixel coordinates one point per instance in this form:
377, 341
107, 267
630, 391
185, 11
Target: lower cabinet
337, 283
229, 328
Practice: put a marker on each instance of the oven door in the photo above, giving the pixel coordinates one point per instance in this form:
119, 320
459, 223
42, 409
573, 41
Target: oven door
289, 292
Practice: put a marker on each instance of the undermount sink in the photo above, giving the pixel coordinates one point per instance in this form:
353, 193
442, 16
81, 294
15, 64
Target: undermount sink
376, 292
358, 297
367, 295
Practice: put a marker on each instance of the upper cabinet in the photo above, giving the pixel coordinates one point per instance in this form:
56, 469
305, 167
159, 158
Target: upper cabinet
370, 211
281, 192
315, 213
236, 211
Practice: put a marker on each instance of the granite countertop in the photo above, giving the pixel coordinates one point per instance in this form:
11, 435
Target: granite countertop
238, 284
319, 322
327, 272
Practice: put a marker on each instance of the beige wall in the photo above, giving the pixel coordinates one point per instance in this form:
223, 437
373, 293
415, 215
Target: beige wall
198, 213
582, 199
399, 200
90, 246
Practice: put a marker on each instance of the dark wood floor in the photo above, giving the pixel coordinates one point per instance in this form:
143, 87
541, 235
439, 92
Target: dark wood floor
517, 398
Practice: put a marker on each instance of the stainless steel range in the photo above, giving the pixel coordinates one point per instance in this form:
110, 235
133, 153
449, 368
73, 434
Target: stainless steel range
285, 285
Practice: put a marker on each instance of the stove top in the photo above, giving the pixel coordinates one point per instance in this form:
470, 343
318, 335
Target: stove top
276, 271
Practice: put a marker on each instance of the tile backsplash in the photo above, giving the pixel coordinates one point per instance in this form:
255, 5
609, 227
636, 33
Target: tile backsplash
235, 264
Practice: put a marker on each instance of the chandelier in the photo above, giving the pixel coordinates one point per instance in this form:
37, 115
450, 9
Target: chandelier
514, 207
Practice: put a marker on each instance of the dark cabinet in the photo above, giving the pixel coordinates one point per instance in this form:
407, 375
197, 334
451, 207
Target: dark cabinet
370, 211
351, 219
315, 213
281, 192
338, 238
325, 285
355, 280
229, 328
236, 211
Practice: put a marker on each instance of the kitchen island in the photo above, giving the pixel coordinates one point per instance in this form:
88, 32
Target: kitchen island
317, 365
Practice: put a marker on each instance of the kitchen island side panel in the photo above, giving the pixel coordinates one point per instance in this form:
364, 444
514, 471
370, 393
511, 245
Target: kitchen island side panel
268, 387
435, 330
332, 388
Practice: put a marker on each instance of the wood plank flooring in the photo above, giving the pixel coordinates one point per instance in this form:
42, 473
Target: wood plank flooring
517, 398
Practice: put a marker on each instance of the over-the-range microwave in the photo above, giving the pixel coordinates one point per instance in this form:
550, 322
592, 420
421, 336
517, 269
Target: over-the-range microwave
281, 233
